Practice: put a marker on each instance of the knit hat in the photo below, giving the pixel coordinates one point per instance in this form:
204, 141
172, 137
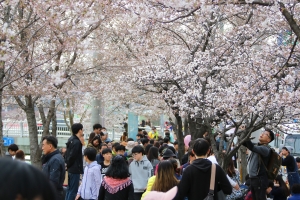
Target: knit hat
168, 154
154, 195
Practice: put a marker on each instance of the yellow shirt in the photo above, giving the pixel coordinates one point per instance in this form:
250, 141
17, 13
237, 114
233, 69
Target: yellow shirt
150, 183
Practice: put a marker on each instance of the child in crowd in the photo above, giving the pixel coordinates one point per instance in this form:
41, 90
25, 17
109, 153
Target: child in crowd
107, 154
99, 157
120, 150
114, 153
91, 182
140, 170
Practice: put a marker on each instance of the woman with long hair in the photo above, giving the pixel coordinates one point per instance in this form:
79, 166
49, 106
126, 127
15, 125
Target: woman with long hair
116, 184
234, 175
124, 137
153, 157
95, 143
280, 191
164, 180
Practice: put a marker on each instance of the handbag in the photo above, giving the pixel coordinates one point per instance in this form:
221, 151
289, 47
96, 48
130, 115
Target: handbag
210, 195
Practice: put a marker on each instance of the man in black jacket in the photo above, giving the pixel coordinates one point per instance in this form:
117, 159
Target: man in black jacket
257, 172
195, 180
53, 164
74, 162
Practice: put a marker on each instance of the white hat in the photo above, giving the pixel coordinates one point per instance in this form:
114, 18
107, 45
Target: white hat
154, 195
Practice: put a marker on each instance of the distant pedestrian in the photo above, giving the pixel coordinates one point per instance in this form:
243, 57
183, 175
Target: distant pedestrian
153, 134
53, 164
140, 170
116, 184
11, 151
124, 137
74, 162
97, 129
20, 181
20, 155
89, 188
291, 166
153, 157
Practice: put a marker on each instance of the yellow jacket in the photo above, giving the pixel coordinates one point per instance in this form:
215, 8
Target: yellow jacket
149, 186
153, 135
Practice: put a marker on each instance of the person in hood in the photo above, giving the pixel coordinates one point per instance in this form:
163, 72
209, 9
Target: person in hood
91, 182
140, 170
195, 180
74, 162
291, 166
53, 164
116, 184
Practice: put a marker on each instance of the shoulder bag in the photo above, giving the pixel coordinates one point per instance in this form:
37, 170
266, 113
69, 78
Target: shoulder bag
210, 195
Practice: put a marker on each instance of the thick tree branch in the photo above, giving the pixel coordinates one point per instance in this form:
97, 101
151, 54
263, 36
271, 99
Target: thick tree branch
290, 19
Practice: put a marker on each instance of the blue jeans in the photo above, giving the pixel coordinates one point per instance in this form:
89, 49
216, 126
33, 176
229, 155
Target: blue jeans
73, 184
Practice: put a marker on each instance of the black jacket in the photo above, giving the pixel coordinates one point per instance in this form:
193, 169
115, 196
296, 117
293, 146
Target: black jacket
73, 156
195, 181
54, 168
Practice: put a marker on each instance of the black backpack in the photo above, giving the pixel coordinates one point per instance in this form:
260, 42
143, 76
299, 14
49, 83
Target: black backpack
274, 164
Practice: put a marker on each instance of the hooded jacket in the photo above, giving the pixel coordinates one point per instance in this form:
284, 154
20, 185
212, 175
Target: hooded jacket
91, 182
54, 168
196, 180
140, 172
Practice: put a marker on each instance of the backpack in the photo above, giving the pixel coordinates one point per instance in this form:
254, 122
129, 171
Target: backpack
274, 164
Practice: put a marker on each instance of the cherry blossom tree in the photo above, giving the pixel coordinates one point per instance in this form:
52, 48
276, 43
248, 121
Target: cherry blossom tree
219, 63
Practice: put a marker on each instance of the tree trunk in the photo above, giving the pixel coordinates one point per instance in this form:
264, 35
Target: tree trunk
54, 124
243, 164
35, 151
186, 127
2, 148
180, 137
192, 127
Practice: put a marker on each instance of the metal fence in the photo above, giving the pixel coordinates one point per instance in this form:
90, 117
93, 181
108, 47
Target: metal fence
20, 129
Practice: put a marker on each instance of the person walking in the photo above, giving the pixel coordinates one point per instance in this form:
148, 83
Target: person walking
291, 166
53, 164
74, 162
257, 172
140, 170
116, 184
91, 182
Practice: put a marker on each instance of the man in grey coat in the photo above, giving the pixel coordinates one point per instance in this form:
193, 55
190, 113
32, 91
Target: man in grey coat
257, 172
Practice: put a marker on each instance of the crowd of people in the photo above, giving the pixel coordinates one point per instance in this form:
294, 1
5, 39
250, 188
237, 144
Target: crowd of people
146, 167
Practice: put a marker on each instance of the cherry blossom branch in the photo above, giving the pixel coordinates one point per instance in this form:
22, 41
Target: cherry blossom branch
290, 19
